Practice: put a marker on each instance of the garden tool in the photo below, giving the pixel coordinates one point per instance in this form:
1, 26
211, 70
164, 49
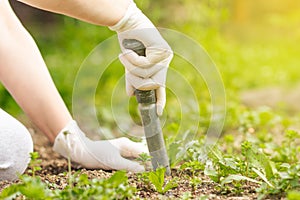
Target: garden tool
150, 120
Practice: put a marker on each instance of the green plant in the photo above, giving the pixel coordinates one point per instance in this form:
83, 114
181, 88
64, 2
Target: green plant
257, 161
287, 178
288, 151
115, 187
157, 178
219, 165
34, 163
267, 157
251, 164
144, 159
70, 178
31, 187
195, 167
79, 187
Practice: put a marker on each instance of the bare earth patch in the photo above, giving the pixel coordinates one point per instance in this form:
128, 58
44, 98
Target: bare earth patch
275, 97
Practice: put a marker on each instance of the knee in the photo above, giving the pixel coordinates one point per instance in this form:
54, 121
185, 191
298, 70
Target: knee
15, 147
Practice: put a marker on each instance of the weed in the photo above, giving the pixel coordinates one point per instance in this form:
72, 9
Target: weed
34, 163
144, 159
32, 187
157, 178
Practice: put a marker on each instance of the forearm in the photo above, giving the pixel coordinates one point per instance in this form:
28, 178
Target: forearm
99, 12
24, 74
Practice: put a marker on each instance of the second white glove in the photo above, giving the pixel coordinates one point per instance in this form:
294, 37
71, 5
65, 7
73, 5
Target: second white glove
106, 154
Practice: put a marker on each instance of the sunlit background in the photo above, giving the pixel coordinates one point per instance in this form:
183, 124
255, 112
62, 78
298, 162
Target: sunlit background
255, 45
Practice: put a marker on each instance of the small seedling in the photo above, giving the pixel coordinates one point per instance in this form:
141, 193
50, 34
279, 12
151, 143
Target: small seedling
194, 167
69, 161
144, 159
157, 178
34, 163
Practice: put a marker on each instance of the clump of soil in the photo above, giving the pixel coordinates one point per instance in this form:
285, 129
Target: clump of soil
54, 168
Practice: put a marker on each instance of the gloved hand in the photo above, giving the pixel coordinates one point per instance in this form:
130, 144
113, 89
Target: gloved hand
107, 154
149, 72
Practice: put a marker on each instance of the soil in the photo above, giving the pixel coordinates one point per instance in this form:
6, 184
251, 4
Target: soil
286, 99
54, 166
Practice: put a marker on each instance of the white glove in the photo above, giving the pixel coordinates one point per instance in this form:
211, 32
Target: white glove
107, 154
149, 72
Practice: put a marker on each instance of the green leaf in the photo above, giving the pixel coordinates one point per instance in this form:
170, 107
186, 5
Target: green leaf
236, 177
292, 134
257, 159
33, 189
157, 179
83, 180
193, 165
34, 155
173, 150
212, 173
10, 191
178, 148
216, 154
144, 157
263, 177
170, 185
118, 178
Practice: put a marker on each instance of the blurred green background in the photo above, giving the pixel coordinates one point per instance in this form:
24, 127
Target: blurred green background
255, 45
